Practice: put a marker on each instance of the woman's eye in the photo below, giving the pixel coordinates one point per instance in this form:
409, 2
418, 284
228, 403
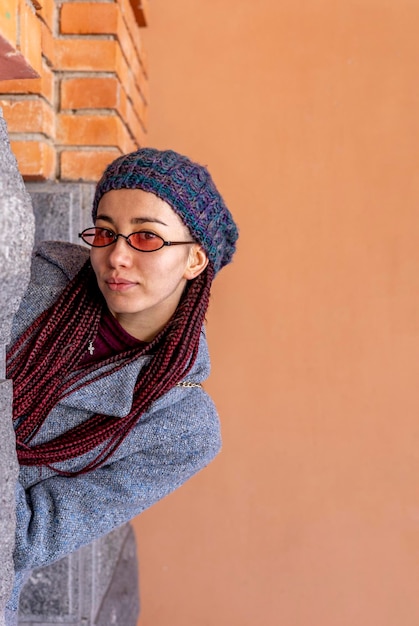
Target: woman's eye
145, 234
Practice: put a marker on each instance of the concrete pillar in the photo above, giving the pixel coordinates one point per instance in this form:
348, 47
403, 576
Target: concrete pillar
95, 586
16, 240
61, 210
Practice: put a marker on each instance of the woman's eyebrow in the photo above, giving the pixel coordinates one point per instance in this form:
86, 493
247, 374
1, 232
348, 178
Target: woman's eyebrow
143, 220
135, 220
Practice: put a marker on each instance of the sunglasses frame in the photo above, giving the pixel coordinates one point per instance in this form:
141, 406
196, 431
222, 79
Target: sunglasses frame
126, 237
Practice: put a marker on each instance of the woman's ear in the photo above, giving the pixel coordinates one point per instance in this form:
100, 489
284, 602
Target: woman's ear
197, 262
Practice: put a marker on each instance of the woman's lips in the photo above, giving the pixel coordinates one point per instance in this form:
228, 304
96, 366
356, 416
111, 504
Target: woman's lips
119, 285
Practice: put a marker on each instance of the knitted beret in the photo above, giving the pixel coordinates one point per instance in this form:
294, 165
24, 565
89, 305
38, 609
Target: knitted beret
187, 187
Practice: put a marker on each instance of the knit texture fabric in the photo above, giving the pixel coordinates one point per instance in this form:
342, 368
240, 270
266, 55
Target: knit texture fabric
187, 187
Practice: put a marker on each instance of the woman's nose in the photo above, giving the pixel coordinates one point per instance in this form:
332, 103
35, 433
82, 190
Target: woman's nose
120, 253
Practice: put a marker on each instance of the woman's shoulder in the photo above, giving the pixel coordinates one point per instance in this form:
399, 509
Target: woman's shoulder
54, 264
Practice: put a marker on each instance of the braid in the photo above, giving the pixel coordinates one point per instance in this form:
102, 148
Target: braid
44, 366
46, 352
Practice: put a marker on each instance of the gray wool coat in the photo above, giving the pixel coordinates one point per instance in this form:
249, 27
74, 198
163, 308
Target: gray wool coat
178, 436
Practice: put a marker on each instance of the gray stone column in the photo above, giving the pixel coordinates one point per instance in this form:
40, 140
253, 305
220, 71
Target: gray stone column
16, 241
95, 586
61, 210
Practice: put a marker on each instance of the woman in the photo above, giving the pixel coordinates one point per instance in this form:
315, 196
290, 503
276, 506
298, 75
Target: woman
108, 355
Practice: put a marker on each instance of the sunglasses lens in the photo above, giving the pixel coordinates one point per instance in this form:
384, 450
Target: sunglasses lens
145, 241
98, 237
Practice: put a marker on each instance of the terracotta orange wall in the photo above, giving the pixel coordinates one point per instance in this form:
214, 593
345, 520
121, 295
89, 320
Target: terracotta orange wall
307, 113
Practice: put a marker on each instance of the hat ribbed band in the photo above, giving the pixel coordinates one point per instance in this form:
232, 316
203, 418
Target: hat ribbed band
187, 187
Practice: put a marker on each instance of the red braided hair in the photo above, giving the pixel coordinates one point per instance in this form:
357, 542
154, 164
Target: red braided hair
43, 366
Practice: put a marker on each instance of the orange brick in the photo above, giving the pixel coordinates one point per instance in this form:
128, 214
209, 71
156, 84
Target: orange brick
29, 116
122, 102
94, 55
85, 164
126, 141
47, 44
141, 81
124, 110
93, 130
42, 86
104, 93
139, 105
90, 93
131, 23
144, 119
102, 18
130, 118
128, 49
88, 18
36, 159
135, 82
142, 115
140, 8
48, 84
30, 35
134, 124
133, 116
8, 21
23, 86
87, 130
125, 75
128, 81
144, 60
47, 13
134, 30
135, 12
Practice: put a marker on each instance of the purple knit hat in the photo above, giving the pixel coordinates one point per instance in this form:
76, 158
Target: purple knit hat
187, 187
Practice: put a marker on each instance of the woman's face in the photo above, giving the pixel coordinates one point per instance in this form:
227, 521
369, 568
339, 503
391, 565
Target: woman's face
143, 289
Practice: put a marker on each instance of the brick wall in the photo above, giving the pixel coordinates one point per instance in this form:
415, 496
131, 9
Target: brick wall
82, 96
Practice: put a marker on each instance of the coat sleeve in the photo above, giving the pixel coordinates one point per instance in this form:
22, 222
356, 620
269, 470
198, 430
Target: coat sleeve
60, 514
